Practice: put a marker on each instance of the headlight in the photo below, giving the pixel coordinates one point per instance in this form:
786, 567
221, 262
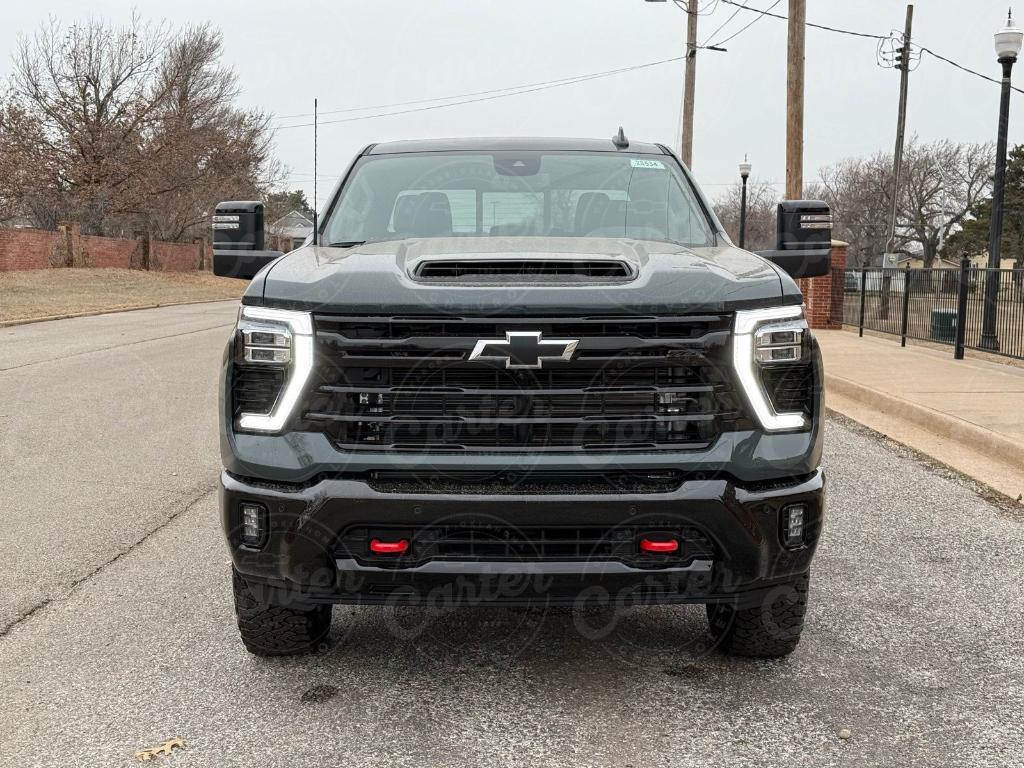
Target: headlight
274, 358
768, 347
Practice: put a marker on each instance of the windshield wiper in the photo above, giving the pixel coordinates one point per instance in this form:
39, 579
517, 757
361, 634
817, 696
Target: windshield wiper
348, 244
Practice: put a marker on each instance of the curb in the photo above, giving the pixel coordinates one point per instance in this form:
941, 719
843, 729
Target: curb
109, 311
983, 441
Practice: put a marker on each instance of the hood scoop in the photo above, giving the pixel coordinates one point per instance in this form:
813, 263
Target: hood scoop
531, 270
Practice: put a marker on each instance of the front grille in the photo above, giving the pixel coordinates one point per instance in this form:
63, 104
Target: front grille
489, 541
406, 383
503, 483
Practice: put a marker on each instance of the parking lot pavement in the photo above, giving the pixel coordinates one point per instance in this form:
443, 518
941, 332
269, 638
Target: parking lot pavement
107, 430
914, 642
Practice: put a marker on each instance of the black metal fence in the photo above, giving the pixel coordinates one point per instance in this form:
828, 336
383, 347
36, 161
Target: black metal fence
967, 307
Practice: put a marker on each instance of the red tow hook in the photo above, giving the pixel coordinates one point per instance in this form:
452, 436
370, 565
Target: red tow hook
389, 547
654, 545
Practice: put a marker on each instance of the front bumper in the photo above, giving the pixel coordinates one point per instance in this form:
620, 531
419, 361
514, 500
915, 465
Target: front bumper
301, 561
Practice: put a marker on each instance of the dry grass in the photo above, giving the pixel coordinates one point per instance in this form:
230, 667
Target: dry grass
34, 293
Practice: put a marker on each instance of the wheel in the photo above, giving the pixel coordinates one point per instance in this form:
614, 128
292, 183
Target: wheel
276, 630
770, 630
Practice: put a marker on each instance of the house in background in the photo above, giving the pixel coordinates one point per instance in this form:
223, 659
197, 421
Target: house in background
290, 231
979, 260
19, 222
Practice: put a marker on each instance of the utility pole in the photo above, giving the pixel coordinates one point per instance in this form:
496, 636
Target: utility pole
795, 101
889, 258
903, 64
689, 84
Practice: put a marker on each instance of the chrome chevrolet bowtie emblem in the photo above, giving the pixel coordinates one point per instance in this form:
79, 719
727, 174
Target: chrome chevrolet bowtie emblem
524, 349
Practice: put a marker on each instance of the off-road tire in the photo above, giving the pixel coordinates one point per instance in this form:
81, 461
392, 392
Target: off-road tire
770, 630
276, 630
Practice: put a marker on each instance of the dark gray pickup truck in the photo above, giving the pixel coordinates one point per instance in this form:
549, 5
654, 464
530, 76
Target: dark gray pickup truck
521, 372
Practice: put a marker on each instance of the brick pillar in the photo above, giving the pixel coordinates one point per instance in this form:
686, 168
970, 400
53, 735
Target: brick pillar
823, 296
204, 258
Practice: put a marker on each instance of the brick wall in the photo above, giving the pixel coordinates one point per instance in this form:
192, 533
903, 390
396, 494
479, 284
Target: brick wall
823, 296
26, 248
107, 251
39, 249
175, 257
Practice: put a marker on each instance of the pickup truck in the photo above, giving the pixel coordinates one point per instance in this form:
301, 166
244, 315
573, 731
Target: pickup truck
521, 372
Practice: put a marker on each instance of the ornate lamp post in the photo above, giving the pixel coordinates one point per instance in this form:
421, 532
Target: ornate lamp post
744, 174
1008, 42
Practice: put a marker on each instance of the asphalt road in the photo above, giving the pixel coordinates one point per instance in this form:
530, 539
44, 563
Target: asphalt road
118, 629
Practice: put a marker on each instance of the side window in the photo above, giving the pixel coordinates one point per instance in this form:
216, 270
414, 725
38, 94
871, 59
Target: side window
686, 223
353, 217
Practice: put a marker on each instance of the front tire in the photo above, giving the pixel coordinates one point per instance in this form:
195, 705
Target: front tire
767, 631
276, 630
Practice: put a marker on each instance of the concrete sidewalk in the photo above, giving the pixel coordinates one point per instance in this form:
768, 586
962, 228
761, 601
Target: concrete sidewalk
968, 414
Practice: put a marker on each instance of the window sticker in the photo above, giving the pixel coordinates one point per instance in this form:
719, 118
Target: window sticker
637, 162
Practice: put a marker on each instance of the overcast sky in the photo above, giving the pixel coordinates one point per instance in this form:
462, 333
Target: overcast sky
357, 53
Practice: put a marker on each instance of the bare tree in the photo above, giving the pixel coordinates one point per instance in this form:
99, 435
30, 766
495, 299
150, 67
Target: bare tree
762, 203
202, 148
858, 190
939, 184
90, 86
943, 182
134, 127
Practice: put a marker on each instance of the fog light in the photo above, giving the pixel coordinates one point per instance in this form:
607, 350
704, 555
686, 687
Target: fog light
792, 522
254, 524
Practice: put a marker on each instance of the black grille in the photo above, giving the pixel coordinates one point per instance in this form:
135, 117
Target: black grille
529, 268
502, 483
255, 389
480, 541
633, 383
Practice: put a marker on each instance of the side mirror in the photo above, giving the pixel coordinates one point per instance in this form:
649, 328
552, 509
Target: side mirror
238, 239
803, 243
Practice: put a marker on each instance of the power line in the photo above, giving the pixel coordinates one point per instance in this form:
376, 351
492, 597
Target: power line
869, 36
966, 69
765, 12
552, 83
754, 21
706, 11
561, 80
734, 14
522, 90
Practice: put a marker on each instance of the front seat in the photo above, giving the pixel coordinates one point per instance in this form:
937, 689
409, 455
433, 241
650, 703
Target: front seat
590, 210
433, 216
405, 214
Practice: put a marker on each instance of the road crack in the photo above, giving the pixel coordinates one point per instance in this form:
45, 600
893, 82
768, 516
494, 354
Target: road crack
197, 496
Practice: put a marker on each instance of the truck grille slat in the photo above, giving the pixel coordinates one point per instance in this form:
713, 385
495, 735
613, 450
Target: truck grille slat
480, 541
633, 383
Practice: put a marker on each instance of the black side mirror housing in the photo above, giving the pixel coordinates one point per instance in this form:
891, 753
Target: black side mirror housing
238, 239
803, 242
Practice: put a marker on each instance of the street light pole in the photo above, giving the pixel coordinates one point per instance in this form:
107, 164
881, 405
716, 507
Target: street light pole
744, 173
1008, 42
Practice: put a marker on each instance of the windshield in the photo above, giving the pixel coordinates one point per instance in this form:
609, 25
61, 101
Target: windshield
521, 193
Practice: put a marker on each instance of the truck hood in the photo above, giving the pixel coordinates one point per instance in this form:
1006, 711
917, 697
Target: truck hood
381, 278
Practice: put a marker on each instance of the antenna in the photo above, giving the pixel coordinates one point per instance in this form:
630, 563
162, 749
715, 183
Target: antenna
316, 210
620, 140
